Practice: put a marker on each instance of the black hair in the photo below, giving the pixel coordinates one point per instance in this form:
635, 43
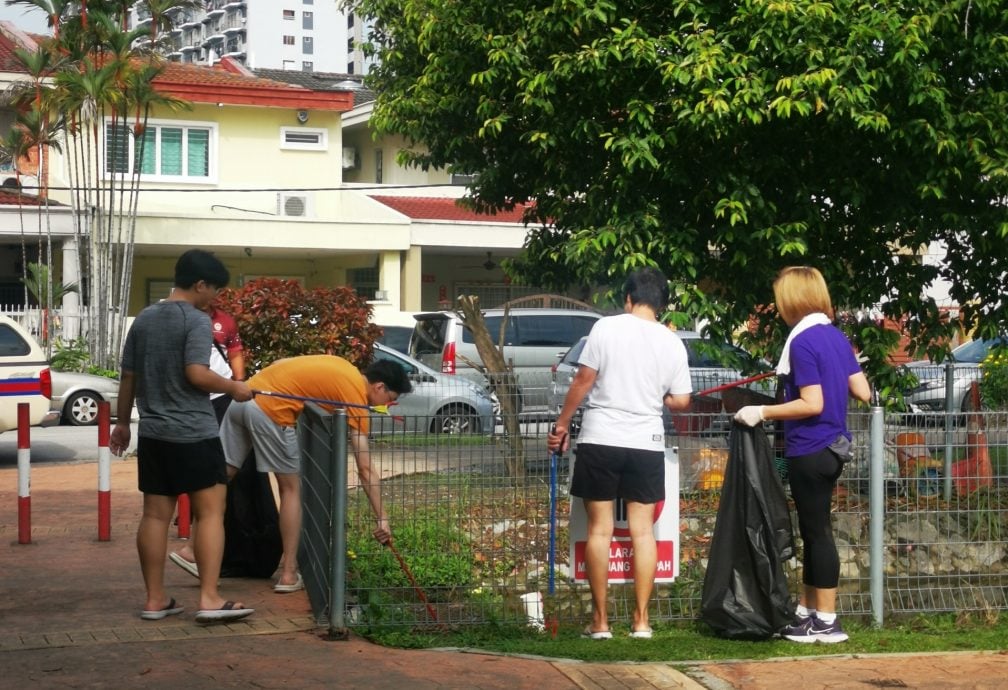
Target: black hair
196, 265
648, 286
391, 374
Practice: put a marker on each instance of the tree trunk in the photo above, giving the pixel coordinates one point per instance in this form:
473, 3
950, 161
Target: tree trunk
501, 376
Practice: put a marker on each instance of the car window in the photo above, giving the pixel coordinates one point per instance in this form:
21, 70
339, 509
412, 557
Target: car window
382, 354
396, 337
552, 330
572, 355
493, 324
428, 336
11, 343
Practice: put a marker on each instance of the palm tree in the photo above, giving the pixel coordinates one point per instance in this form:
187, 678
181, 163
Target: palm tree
102, 91
161, 14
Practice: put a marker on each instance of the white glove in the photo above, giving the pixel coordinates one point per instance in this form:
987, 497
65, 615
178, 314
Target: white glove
750, 415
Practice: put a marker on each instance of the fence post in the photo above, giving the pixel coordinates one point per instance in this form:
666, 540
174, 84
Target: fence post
337, 524
949, 403
24, 474
876, 511
104, 473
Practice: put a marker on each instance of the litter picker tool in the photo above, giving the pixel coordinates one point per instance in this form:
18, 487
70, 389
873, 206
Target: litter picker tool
380, 409
553, 516
409, 576
735, 384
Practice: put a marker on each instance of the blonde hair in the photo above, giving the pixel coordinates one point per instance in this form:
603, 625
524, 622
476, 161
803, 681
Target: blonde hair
800, 291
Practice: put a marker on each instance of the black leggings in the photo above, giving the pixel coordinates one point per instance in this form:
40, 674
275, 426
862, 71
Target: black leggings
812, 478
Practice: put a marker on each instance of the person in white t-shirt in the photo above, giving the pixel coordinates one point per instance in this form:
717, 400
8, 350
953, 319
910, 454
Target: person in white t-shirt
631, 365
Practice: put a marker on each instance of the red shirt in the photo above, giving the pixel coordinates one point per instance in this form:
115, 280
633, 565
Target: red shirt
225, 331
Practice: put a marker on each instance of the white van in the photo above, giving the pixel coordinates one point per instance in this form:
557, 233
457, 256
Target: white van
397, 327
24, 376
534, 340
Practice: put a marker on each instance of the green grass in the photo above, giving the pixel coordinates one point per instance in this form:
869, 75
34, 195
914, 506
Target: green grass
693, 642
418, 440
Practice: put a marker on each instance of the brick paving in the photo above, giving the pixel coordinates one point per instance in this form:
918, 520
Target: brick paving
70, 608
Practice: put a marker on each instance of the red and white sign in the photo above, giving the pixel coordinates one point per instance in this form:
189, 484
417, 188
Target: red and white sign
666, 530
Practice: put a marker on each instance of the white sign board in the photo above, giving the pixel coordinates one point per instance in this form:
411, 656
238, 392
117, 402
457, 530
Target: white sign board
666, 530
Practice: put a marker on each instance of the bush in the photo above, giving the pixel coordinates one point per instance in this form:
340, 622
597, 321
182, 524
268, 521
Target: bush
994, 379
436, 552
76, 356
280, 318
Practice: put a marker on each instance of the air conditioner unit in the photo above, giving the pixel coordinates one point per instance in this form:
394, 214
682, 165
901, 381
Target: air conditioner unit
349, 157
294, 204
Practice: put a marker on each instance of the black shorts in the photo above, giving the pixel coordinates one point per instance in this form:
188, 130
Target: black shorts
166, 468
605, 473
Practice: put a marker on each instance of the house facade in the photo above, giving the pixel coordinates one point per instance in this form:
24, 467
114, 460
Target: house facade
253, 171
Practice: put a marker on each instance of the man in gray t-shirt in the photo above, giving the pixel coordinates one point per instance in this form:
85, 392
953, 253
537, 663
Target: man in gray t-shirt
165, 370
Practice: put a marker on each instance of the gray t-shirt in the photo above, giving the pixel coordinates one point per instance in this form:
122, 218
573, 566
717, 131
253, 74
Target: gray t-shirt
164, 338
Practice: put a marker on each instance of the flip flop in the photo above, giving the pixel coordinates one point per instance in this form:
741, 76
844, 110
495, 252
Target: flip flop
172, 609
644, 634
287, 589
590, 634
187, 566
225, 613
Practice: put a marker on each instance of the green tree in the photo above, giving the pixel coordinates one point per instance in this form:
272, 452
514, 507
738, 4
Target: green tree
721, 141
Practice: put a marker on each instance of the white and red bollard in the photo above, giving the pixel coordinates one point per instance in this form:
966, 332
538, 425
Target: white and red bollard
104, 473
24, 474
184, 516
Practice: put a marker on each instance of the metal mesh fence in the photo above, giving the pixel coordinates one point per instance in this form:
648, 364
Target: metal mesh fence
475, 537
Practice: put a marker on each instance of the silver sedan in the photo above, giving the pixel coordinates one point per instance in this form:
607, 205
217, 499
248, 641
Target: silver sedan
75, 396
439, 404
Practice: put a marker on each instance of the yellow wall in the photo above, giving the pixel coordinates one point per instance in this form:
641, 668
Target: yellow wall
248, 156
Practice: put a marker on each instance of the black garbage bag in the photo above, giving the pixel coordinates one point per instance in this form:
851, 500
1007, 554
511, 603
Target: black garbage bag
252, 545
745, 591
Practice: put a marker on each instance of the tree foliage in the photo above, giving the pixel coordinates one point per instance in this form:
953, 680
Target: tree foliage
281, 318
721, 141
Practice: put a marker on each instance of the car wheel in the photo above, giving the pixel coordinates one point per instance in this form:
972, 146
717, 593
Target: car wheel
455, 419
82, 409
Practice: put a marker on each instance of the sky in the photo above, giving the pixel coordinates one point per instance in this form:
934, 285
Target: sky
31, 20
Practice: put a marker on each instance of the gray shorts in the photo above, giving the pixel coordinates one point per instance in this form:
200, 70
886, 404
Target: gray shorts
247, 427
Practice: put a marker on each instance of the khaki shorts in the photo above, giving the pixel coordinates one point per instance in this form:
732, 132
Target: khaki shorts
246, 427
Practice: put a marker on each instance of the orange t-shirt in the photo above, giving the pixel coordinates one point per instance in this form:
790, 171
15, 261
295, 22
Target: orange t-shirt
325, 377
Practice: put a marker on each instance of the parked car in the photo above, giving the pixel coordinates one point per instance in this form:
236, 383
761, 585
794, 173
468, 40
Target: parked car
75, 396
534, 338
929, 394
25, 377
396, 337
438, 404
707, 371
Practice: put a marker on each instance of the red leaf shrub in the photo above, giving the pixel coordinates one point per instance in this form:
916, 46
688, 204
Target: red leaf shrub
280, 318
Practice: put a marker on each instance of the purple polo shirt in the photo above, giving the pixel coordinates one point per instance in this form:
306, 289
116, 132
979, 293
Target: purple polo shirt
819, 355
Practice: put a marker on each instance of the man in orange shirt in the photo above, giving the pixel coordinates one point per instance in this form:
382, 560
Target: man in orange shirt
266, 424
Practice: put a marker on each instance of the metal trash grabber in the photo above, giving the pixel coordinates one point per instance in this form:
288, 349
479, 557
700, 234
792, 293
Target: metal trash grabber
409, 576
380, 409
736, 384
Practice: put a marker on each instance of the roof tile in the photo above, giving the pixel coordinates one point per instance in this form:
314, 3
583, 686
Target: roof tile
444, 208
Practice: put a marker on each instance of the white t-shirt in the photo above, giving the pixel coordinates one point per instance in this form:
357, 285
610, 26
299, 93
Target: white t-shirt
219, 365
638, 362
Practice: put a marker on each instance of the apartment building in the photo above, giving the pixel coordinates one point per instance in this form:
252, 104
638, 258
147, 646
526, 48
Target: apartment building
299, 35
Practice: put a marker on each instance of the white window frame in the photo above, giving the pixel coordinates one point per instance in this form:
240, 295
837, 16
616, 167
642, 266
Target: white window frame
322, 145
185, 125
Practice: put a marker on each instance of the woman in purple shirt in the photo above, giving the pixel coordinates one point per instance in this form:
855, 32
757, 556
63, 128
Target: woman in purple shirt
818, 370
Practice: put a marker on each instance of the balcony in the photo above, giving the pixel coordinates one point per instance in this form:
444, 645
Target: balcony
234, 49
233, 24
188, 20
213, 40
